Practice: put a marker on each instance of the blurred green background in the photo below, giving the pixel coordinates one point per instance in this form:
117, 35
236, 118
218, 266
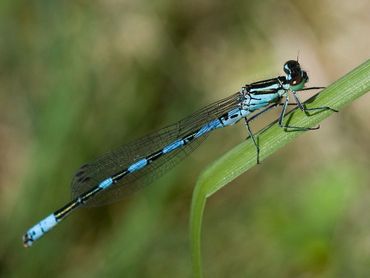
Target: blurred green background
79, 78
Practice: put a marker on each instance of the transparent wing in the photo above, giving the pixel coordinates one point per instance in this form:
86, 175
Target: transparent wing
91, 174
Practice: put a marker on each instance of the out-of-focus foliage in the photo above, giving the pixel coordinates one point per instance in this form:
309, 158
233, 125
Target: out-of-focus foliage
79, 78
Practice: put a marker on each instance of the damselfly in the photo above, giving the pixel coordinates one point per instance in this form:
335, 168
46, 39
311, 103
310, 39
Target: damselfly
115, 174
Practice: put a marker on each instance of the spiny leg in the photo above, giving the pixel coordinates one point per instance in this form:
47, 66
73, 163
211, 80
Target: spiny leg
253, 138
292, 128
311, 88
268, 108
254, 117
305, 110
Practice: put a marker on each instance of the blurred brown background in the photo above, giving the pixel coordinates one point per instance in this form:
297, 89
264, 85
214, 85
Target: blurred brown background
79, 78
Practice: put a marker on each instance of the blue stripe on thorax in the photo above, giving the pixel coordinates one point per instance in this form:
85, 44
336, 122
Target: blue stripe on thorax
269, 87
257, 101
256, 98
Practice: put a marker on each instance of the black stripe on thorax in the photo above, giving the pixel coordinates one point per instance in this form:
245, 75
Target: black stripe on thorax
268, 86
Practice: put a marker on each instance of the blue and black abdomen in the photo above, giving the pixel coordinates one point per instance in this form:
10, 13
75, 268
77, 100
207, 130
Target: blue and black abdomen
139, 162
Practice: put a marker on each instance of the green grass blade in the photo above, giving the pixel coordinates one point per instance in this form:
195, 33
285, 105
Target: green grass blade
242, 157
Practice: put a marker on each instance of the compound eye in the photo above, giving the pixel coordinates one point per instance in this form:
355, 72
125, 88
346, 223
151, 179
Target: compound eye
291, 67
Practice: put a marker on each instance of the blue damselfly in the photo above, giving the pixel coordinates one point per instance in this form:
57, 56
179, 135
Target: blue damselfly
119, 172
